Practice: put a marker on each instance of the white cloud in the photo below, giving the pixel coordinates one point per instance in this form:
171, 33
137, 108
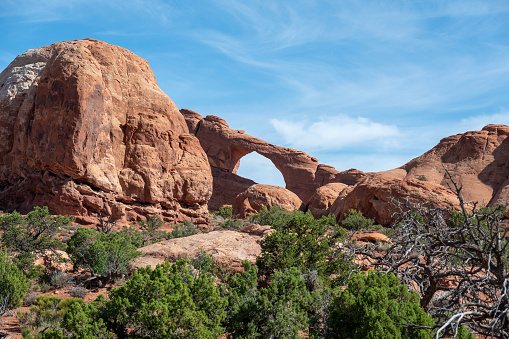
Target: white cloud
476, 123
335, 133
370, 162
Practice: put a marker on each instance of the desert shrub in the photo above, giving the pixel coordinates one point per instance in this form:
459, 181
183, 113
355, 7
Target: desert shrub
377, 306
78, 292
136, 237
168, 302
151, 224
27, 236
225, 211
83, 321
150, 230
355, 221
183, 229
422, 178
45, 316
278, 311
30, 297
13, 282
275, 216
59, 279
105, 255
304, 243
233, 224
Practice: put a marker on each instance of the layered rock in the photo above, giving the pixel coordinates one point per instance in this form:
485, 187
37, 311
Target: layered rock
225, 147
85, 129
258, 196
477, 160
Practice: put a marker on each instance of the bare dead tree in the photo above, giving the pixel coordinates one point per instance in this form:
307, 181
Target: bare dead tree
456, 260
105, 225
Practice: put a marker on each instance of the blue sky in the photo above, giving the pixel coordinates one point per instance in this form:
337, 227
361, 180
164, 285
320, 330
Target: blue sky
357, 84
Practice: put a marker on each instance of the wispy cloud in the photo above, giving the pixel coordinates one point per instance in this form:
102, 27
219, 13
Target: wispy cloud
334, 133
475, 123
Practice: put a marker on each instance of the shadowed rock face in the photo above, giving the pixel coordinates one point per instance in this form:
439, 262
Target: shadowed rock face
84, 128
225, 147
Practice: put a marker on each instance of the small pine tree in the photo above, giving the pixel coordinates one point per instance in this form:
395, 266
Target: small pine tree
301, 241
27, 236
355, 221
373, 305
105, 255
13, 283
278, 311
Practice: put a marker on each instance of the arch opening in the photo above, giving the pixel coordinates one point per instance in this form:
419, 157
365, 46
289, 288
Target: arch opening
260, 169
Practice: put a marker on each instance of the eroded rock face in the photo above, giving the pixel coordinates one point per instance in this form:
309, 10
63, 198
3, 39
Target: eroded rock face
84, 128
258, 196
324, 198
225, 147
375, 197
478, 160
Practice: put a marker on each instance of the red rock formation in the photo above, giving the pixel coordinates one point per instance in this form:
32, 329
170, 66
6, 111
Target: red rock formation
375, 197
258, 196
478, 160
225, 147
84, 128
321, 202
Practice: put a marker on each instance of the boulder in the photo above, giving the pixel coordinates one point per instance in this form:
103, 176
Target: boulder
258, 196
228, 248
85, 129
377, 196
325, 196
372, 237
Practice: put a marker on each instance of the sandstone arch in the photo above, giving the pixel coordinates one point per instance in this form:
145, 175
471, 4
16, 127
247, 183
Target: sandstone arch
225, 147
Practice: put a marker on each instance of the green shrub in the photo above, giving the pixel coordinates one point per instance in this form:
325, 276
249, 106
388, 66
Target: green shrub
225, 211
422, 178
355, 221
170, 301
278, 311
105, 255
183, 229
45, 316
233, 224
83, 321
152, 223
304, 243
25, 237
13, 283
275, 216
373, 305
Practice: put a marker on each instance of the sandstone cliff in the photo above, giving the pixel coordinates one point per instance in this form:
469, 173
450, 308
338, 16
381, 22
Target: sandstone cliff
85, 129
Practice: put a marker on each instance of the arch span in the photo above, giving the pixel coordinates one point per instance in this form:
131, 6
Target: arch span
225, 147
